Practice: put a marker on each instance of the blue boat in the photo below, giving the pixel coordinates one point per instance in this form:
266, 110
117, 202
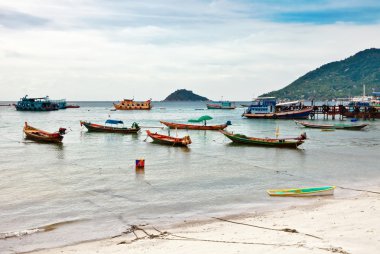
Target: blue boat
221, 105
39, 104
268, 108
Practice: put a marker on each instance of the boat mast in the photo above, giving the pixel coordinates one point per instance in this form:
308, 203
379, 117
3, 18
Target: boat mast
363, 92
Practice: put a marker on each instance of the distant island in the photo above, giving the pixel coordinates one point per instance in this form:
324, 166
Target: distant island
339, 79
185, 95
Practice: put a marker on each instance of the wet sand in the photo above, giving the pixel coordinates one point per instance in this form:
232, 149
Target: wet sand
328, 225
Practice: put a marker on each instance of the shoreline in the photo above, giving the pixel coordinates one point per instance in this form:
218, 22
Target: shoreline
336, 225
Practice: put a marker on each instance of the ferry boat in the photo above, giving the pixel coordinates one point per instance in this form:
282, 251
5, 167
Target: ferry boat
221, 105
39, 104
130, 104
268, 108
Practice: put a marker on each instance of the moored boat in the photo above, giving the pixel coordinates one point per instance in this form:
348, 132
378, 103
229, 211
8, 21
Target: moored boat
130, 104
168, 140
221, 105
38, 104
204, 126
72, 106
113, 128
339, 126
43, 136
303, 192
268, 108
271, 142
194, 126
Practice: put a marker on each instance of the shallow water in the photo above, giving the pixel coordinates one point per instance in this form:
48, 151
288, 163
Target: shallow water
89, 186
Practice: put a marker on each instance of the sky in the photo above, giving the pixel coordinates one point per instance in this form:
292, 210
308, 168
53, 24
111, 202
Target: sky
230, 49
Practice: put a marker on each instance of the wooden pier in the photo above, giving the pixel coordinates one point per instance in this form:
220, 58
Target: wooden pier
340, 112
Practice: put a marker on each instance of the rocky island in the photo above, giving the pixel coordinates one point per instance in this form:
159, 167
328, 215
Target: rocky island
185, 95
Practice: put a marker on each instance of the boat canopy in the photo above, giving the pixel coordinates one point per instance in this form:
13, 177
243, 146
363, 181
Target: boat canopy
110, 121
200, 119
288, 103
376, 94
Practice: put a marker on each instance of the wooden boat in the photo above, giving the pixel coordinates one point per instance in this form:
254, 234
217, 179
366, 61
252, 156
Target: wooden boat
43, 136
272, 142
168, 140
130, 104
111, 129
333, 126
194, 126
303, 192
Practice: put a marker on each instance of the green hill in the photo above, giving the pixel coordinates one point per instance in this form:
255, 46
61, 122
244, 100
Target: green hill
339, 79
185, 95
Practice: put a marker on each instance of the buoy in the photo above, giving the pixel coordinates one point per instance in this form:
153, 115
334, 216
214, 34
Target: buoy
140, 163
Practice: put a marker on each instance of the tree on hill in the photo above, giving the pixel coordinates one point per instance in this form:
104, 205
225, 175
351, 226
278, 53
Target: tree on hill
339, 79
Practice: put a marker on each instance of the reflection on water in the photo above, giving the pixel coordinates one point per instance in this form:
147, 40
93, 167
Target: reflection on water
140, 173
92, 176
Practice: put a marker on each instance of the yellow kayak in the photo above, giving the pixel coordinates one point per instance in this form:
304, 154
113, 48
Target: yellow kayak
303, 192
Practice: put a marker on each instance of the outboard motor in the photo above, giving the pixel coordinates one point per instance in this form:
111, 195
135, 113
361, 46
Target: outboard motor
303, 136
62, 131
228, 122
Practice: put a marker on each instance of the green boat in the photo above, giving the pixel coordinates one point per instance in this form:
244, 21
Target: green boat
338, 126
271, 142
303, 192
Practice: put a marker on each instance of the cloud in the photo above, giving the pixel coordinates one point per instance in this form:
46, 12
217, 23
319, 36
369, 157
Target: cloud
103, 50
15, 19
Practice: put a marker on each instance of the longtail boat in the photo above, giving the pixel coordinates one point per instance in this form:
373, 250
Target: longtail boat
111, 129
194, 126
203, 119
272, 142
333, 126
43, 136
168, 140
303, 192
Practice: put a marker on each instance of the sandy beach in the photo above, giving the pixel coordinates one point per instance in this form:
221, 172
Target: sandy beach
328, 225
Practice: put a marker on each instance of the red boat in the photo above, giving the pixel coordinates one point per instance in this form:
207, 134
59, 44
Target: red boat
167, 140
43, 136
72, 106
195, 126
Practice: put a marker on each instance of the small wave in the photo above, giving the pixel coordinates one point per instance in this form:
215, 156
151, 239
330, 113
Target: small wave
45, 228
20, 233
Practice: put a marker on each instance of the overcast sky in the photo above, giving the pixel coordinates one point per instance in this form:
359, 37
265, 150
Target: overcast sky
114, 49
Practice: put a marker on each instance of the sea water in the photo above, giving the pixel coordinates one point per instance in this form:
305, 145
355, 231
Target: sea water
87, 188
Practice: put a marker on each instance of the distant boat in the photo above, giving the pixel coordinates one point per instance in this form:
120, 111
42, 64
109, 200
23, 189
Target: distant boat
43, 136
168, 140
130, 104
268, 108
39, 104
333, 126
303, 192
221, 105
201, 119
111, 129
272, 142
72, 106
